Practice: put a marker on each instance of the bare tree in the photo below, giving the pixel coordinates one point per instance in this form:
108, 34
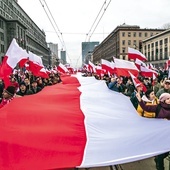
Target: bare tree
166, 26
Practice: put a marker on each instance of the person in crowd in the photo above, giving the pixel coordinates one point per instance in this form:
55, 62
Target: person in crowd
40, 83
150, 99
7, 95
133, 98
147, 83
116, 85
34, 87
156, 85
107, 79
165, 89
162, 110
56, 80
129, 87
46, 82
27, 83
14, 83
23, 90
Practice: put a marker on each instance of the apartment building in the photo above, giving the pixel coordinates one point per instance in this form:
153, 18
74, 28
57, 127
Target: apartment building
117, 42
15, 23
157, 48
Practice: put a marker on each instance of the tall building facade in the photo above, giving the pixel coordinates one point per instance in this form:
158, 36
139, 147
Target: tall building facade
117, 42
63, 57
54, 53
87, 48
157, 48
15, 23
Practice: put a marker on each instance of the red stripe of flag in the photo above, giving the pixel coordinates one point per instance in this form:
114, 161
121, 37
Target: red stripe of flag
34, 140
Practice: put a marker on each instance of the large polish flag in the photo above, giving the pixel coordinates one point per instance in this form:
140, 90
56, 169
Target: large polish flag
134, 54
78, 123
13, 56
123, 67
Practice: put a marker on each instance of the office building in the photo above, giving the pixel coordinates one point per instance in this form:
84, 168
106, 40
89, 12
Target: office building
15, 23
157, 48
87, 49
117, 42
54, 53
63, 57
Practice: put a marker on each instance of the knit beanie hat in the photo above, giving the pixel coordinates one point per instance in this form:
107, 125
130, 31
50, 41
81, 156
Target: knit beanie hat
148, 92
164, 96
22, 83
10, 90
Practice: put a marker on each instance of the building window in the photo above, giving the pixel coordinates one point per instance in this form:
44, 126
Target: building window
156, 54
160, 42
2, 36
149, 56
140, 34
146, 34
165, 40
156, 44
129, 42
161, 54
134, 34
148, 46
2, 48
129, 34
152, 45
123, 50
134, 42
1, 24
123, 42
165, 53
152, 57
145, 48
124, 57
151, 34
123, 34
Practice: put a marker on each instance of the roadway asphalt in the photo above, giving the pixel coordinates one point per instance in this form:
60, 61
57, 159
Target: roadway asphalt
146, 164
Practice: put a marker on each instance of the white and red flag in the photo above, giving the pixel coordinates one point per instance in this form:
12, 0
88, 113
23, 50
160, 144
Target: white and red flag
62, 68
13, 56
70, 69
139, 63
167, 65
108, 66
146, 72
91, 67
73, 124
123, 67
137, 82
36, 65
100, 71
134, 54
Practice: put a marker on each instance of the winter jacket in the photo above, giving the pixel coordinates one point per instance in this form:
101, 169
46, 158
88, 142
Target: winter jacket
147, 102
164, 111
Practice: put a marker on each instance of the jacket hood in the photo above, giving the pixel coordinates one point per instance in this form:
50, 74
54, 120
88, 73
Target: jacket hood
145, 99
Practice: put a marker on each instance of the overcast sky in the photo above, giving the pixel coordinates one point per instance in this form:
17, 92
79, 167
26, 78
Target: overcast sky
74, 18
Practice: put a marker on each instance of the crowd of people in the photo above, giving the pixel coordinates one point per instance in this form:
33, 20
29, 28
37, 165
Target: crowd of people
151, 98
25, 83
